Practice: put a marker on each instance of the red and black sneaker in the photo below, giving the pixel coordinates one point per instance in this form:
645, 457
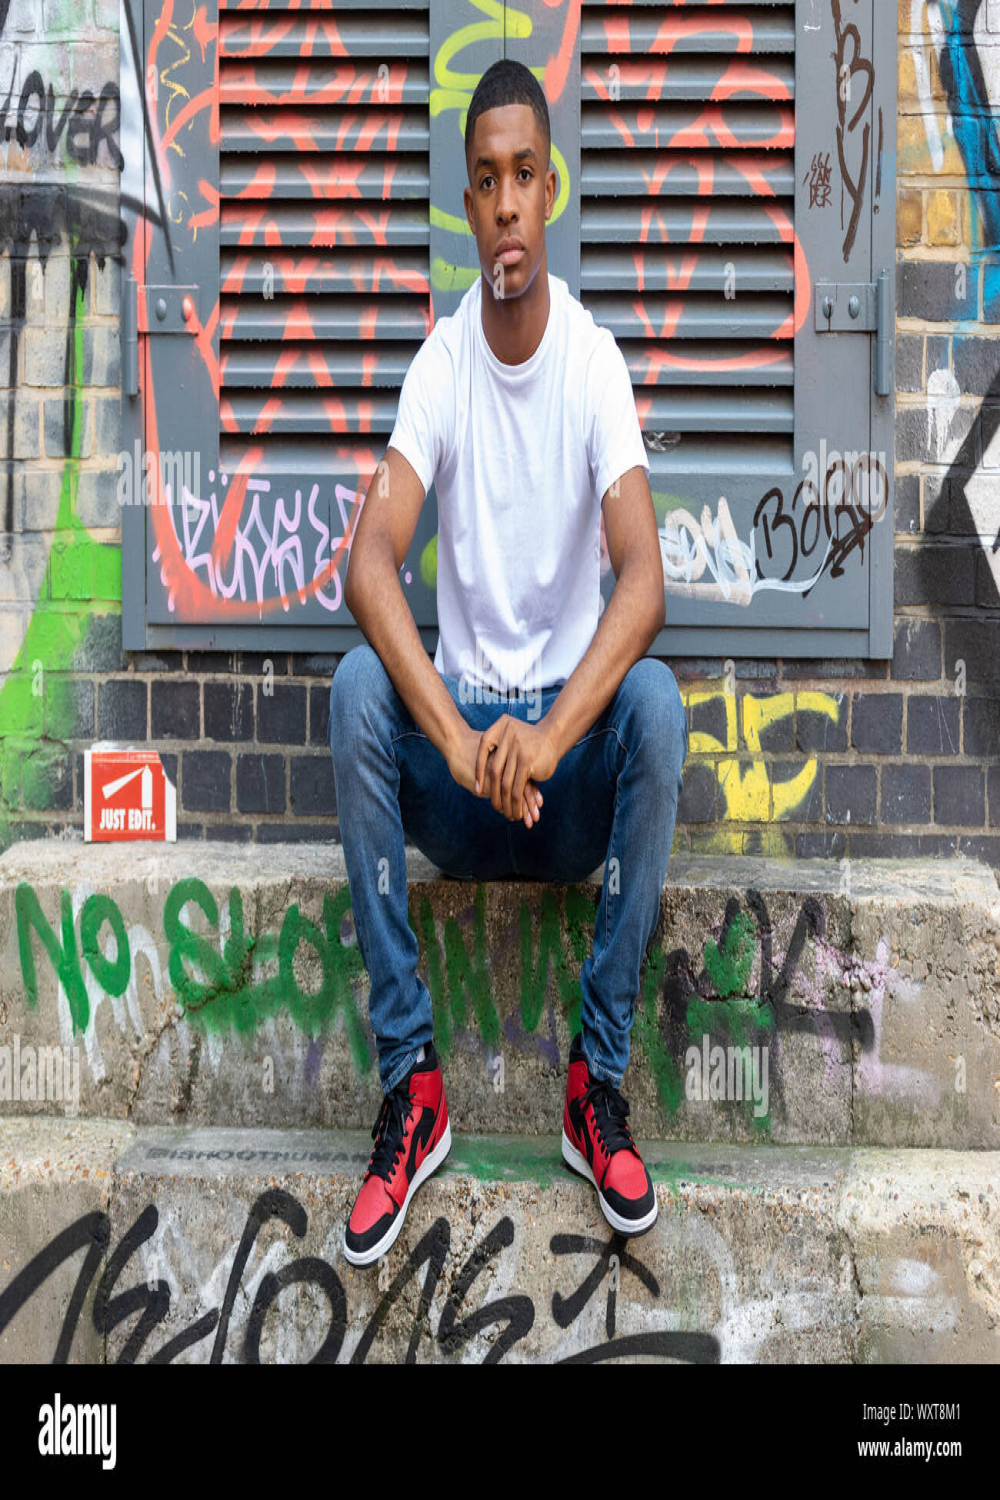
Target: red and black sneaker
598, 1144
412, 1138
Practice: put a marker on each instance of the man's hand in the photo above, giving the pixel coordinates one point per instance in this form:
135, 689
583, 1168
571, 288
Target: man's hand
465, 768
512, 757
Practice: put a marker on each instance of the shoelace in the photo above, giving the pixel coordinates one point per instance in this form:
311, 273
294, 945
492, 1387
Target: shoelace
388, 1130
610, 1110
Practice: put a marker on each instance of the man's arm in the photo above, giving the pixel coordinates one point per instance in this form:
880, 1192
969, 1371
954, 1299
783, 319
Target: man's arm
632, 619
374, 595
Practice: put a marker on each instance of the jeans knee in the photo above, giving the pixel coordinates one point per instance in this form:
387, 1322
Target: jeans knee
660, 711
356, 683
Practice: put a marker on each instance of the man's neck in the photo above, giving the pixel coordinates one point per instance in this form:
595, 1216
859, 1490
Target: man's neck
514, 328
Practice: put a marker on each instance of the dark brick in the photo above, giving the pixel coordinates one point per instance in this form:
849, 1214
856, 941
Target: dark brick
959, 796
977, 644
820, 845
824, 666
916, 652
121, 709
981, 727
211, 661
991, 271
296, 833
281, 715
986, 589
935, 573
906, 794
319, 714
101, 647
205, 778
229, 833
779, 735
994, 792
850, 794
709, 718
815, 730
916, 437
877, 723
699, 669
700, 795
251, 663
937, 503
810, 808
929, 289
903, 845
938, 353
932, 725
977, 364
154, 661
750, 668
47, 782
190, 831
314, 664
260, 783
909, 362
311, 784
228, 710
173, 711
68, 707
906, 504
985, 848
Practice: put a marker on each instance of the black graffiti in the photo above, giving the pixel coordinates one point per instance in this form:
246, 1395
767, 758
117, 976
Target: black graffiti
848, 67
151, 1300
84, 131
612, 1257
681, 984
796, 532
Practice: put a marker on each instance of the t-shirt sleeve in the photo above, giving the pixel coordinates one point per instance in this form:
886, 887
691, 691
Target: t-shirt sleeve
615, 434
422, 414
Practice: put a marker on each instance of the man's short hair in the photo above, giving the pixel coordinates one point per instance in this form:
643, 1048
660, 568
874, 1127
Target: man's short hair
508, 82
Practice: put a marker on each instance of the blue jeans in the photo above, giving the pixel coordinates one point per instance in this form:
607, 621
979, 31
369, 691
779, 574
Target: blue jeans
612, 798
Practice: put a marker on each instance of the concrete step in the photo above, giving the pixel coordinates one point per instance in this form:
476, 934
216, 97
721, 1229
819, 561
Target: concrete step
223, 985
150, 1243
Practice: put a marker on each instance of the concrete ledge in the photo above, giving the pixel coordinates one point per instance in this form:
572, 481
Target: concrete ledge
229, 1244
220, 984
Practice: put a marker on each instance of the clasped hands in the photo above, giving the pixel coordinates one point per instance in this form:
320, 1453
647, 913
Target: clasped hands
505, 762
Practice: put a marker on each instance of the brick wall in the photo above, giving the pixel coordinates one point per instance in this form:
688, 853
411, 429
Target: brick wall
788, 757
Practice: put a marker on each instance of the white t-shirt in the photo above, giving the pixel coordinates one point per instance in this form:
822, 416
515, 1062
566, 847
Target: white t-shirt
521, 457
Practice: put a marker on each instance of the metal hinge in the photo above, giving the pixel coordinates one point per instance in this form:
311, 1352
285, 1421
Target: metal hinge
860, 307
165, 309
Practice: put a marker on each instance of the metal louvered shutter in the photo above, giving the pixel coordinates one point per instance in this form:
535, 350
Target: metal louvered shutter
682, 255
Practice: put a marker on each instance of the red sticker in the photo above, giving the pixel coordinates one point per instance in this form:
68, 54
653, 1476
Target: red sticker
126, 795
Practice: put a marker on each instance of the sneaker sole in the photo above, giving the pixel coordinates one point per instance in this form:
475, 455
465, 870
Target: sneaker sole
429, 1164
575, 1159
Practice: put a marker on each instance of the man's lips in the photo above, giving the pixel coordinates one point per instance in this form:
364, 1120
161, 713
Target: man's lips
508, 254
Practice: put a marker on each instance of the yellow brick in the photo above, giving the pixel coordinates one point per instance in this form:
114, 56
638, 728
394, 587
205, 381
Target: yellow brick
914, 153
909, 218
942, 218
971, 233
907, 76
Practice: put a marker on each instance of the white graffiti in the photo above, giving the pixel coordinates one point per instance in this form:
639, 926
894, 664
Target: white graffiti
271, 549
688, 548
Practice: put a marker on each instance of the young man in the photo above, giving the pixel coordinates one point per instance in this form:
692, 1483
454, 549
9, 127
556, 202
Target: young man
520, 410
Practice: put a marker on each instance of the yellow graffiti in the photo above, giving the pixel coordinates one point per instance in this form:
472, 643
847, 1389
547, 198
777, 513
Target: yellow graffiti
751, 794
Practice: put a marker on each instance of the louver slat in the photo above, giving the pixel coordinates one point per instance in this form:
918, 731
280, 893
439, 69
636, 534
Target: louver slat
687, 221
324, 176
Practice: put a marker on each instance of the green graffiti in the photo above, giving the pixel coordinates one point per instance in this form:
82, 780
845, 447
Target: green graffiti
227, 996
62, 956
82, 578
730, 969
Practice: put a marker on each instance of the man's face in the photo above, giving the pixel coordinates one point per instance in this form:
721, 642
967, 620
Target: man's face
511, 196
